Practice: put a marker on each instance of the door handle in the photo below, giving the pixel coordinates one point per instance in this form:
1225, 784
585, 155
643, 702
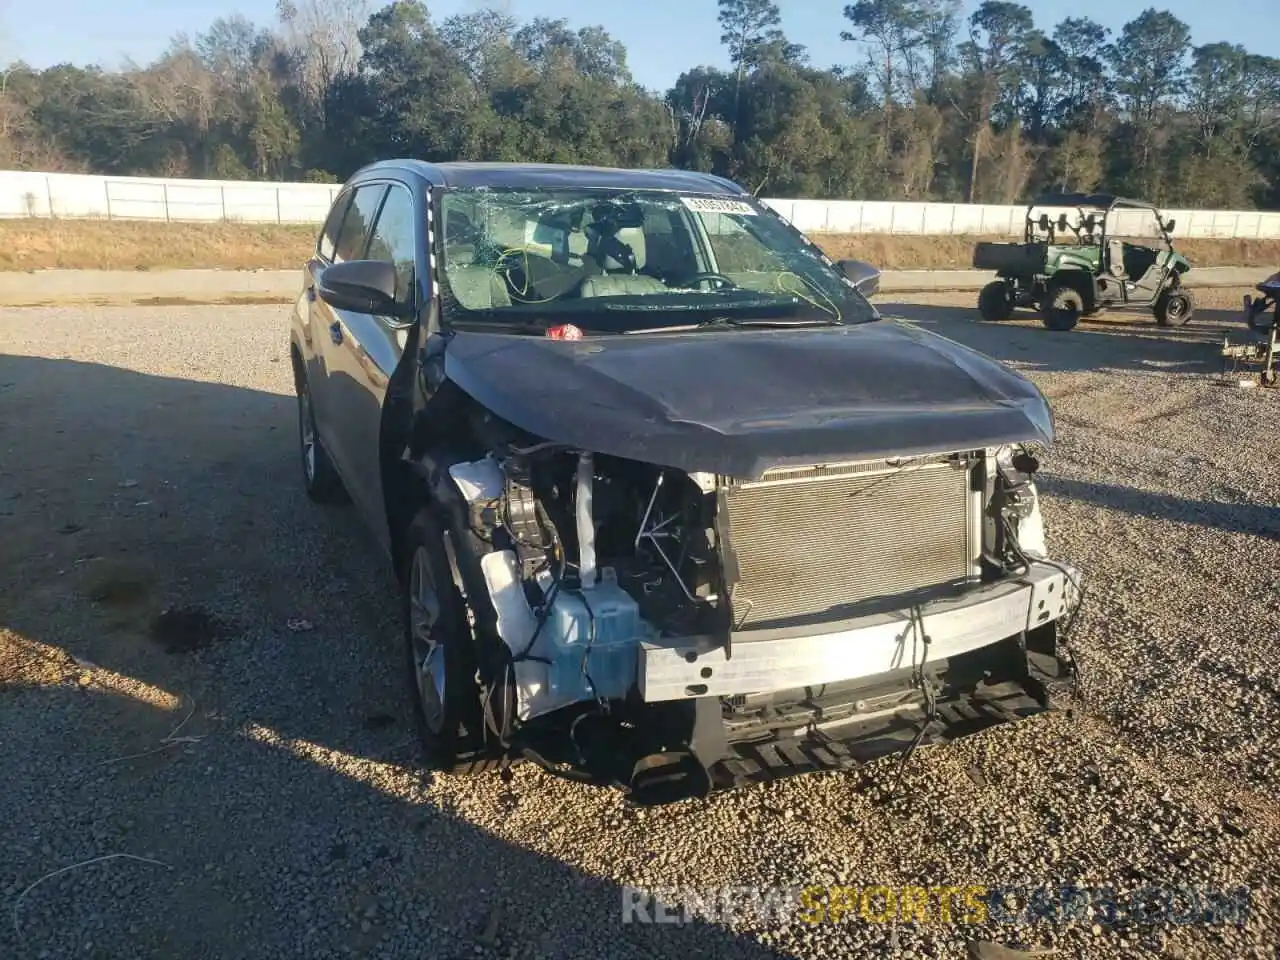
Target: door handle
335, 331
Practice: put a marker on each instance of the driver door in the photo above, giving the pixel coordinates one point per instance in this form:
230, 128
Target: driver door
1148, 285
362, 351
1146, 258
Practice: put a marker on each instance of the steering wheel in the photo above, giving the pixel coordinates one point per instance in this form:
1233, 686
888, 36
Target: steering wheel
700, 277
533, 277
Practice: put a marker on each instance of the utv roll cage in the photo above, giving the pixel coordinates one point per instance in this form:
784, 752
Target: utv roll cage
1094, 210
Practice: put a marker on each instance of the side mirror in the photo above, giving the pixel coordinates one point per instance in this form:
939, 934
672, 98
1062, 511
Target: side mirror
1063, 223
862, 275
1044, 222
362, 286
1169, 225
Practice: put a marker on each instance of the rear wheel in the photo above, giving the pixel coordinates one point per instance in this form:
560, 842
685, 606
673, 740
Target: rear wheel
1175, 307
440, 657
319, 476
995, 302
1062, 308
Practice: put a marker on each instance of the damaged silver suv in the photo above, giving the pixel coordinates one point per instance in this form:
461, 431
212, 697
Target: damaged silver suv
672, 506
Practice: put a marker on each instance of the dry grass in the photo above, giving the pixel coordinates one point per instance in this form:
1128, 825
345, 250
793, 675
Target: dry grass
136, 245
139, 245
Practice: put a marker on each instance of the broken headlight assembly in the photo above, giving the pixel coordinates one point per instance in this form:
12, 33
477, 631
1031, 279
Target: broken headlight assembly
1015, 506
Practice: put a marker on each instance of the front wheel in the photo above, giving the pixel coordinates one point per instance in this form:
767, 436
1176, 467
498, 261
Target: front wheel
1062, 308
1173, 308
440, 656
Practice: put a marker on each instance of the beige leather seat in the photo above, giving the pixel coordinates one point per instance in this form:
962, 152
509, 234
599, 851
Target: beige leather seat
475, 285
624, 284
1115, 259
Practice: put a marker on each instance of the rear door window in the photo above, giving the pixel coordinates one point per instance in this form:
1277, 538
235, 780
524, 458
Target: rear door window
329, 235
350, 244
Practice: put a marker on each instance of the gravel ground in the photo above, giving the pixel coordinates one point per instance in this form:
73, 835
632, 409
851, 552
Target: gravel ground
199, 680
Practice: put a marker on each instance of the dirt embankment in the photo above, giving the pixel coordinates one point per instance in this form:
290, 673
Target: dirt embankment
140, 245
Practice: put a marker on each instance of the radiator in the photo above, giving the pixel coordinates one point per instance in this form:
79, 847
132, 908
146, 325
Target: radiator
806, 545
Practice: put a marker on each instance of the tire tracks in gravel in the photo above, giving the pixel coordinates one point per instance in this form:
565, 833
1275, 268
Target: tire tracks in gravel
299, 827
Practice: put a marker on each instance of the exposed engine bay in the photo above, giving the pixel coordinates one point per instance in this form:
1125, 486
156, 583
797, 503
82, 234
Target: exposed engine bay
653, 528
595, 556
624, 589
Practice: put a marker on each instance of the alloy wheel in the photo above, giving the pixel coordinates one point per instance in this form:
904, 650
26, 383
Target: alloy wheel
307, 432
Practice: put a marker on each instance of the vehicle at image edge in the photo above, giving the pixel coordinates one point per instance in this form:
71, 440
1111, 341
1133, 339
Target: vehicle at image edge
673, 508
1078, 264
1262, 318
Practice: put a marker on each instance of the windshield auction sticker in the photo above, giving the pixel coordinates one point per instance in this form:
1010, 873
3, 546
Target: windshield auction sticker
718, 205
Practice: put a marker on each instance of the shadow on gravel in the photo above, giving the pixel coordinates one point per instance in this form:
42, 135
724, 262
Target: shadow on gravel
1122, 341
284, 829
1247, 518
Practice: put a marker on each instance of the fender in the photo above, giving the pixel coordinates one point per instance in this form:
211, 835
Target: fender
1078, 279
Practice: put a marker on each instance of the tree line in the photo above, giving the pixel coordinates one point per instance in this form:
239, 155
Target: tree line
932, 105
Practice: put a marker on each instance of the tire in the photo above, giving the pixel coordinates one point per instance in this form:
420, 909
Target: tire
995, 302
439, 653
1061, 308
319, 476
1173, 308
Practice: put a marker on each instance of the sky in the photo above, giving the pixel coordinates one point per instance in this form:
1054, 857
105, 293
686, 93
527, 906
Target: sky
663, 37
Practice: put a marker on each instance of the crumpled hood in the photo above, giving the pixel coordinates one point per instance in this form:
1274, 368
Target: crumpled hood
744, 400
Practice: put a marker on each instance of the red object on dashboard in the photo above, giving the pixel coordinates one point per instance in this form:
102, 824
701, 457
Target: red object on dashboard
564, 331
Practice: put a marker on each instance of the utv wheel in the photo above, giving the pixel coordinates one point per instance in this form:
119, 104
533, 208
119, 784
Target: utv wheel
319, 477
1174, 308
1062, 308
440, 658
995, 301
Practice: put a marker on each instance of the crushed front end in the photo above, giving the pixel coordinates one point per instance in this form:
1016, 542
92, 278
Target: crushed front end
676, 633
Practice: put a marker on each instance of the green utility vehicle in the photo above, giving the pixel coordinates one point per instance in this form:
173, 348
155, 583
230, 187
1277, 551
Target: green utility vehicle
1077, 264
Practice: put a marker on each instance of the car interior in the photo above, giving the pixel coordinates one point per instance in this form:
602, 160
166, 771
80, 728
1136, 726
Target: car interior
497, 258
1133, 259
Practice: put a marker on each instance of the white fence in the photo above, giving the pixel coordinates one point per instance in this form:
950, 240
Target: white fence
75, 196
956, 219
146, 198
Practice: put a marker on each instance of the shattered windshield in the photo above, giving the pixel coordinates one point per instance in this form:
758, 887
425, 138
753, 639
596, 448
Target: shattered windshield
622, 261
